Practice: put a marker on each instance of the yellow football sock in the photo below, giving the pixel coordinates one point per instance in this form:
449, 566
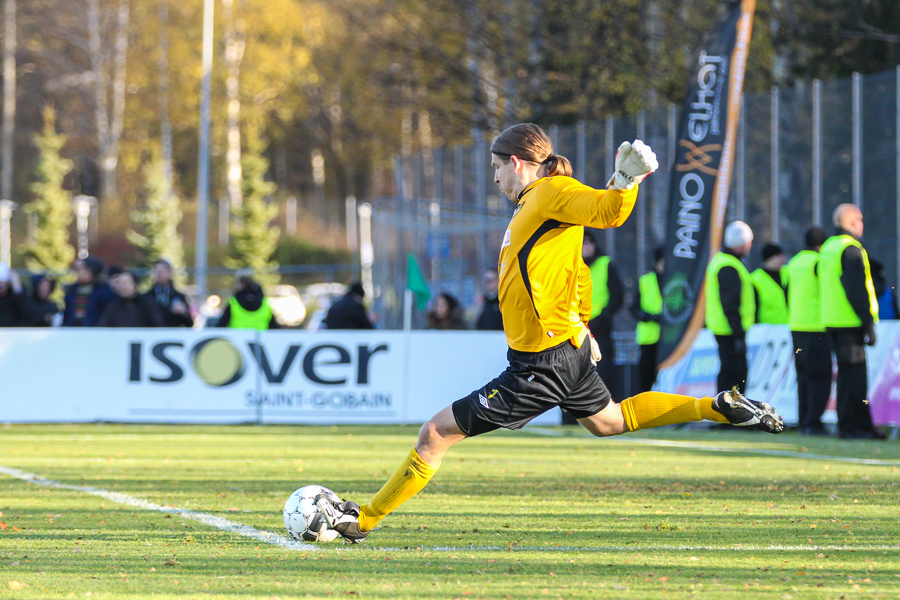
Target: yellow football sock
406, 482
655, 409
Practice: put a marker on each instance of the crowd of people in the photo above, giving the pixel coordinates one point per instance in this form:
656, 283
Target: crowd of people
100, 296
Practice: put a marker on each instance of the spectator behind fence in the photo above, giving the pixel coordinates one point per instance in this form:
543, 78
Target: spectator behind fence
731, 304
607, 297
887, 297
44, 311
13, 304
129, 309
445, 313
172, 304
490, 318
849, 312
88, 296
248, 308
349, 312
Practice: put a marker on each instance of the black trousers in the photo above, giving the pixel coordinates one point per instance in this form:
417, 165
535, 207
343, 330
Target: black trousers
852, 386
647, 366
733, 369
812, 359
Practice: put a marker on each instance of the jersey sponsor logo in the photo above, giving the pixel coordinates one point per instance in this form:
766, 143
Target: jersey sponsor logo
506, 239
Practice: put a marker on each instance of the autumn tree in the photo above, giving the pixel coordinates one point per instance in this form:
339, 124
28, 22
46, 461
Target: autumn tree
52, 205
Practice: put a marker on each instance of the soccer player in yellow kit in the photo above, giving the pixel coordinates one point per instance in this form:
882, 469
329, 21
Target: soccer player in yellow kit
545, 303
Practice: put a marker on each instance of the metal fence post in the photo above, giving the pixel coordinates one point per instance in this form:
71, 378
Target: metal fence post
554, 137
773, 166
817, 153
580, 151
897, 161
610, 166
740, 205
857, 141
458, 175
478, 158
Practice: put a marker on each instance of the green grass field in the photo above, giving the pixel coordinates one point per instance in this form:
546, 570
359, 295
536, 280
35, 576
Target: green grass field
543, 513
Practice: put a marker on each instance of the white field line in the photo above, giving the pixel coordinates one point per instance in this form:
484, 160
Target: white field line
288, 544
707, 447
204, 518
661, 547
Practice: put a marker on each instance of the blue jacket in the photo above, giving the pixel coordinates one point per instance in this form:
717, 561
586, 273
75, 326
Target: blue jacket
97, 301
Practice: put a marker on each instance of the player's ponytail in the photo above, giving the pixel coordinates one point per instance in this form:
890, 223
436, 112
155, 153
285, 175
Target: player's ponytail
558, 165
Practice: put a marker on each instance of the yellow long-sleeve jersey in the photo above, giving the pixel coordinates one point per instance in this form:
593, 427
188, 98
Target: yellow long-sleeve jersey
544, 297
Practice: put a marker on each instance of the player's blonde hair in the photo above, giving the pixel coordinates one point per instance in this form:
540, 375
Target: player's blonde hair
528, 142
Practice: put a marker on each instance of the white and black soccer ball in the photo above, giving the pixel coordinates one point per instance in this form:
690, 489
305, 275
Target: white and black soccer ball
303, 519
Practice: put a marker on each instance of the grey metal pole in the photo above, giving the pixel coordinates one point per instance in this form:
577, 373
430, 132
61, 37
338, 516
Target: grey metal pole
554, 137
672, 128
580, 152
479, 157
458, 175
857, 141
203, 166
897, 161
740, 206
817, 153
773, 166
609, 234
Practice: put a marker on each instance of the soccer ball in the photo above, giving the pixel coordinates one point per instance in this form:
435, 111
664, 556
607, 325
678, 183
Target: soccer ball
303, 519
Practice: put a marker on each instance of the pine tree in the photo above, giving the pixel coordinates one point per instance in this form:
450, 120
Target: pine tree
254, 238
50, 250
158, 221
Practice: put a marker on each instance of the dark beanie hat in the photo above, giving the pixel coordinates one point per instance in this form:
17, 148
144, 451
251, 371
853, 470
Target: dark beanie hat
770, 250
815, 236
357, 288
94, 264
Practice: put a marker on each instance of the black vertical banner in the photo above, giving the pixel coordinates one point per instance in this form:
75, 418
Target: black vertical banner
700, 177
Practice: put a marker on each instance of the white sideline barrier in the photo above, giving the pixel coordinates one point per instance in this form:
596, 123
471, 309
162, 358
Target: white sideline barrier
772, 377
214, 375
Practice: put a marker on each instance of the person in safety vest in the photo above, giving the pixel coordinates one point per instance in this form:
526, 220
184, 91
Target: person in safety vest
606, 299
849, 312
647, 309
771, 297
812, 346
731, 304
248, 308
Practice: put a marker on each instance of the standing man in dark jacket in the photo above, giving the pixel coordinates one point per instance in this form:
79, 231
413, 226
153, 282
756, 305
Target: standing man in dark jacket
129, 309
812, 346
731, 304
606, 299
490, 318
349, 312
13, 304
88, 296
646, 307
771, 297
172, 304
849, 312
248, 308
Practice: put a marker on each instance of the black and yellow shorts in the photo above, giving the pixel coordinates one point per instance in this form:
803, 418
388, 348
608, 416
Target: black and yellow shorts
534, 383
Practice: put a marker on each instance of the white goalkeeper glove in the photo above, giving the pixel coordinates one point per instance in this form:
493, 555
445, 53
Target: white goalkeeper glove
634, 161
595, 351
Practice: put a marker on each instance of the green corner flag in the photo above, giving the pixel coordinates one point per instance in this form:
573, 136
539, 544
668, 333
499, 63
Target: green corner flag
415, 282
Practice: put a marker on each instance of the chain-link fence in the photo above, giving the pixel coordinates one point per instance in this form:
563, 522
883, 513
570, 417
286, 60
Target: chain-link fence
800, 152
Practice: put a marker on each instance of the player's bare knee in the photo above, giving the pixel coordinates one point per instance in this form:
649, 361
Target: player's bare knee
430, 435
